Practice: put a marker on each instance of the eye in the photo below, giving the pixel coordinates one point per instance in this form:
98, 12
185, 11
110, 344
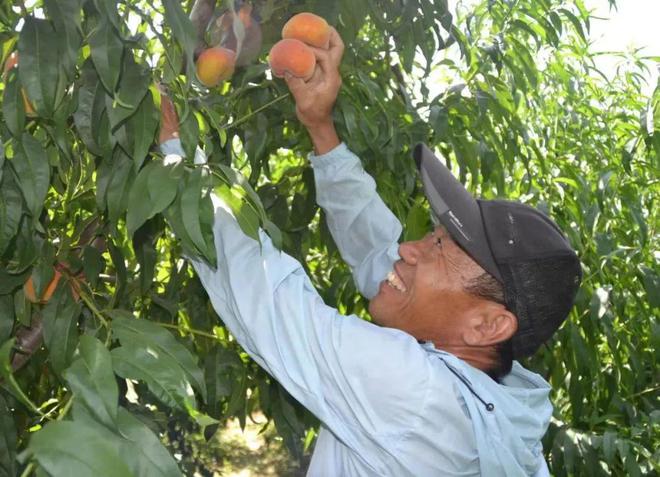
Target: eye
438, 241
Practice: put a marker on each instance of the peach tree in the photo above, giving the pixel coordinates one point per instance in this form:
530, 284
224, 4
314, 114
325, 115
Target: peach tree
111, 356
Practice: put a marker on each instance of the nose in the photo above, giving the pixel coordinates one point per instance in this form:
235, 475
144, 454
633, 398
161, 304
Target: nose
411, 251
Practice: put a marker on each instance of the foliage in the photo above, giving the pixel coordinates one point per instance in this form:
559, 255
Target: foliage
128, 349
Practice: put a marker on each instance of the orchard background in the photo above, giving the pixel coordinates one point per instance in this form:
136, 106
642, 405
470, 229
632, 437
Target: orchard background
126, 369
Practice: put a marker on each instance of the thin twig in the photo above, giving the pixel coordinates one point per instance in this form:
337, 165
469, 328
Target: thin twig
256, 111
192, 331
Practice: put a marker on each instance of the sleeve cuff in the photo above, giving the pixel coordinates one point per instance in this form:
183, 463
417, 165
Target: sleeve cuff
341, 152
173, 146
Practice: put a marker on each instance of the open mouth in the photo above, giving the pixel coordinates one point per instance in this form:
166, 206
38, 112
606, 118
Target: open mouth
395, 281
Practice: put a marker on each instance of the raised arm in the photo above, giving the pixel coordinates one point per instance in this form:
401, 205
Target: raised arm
325, 360
364, 229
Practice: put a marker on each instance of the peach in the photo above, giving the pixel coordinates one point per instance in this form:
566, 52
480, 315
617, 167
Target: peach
12, 62
293, 57
215, 65
308, 28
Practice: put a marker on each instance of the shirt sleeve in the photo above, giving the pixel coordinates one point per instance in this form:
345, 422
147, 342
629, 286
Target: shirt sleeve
346, 371
364, 229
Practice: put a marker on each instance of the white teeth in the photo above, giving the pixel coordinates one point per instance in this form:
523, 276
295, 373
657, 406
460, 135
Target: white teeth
394, 281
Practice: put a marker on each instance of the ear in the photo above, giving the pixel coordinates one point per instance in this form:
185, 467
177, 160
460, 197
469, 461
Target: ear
490, 325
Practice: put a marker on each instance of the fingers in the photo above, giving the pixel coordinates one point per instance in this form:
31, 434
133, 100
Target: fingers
294, 83
336, 48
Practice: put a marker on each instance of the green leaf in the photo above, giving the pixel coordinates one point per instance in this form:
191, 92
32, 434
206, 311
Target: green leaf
183, 31
146, 454
119, 185
66, 16
154, 189
7, 440
164, 378
11, 210
651, 282
93, 264
32, 172
246, 216
13, 108
7, 316
120, 270
83, 115
92, 381
68, 448
146, 334
109, 11
418, 223
133, 86
174, 217
40, 64
106, 51
191, 198
143, 126
7, 375
189, 132
60, 325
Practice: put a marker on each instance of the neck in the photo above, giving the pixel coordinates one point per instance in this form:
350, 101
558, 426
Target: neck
482, 358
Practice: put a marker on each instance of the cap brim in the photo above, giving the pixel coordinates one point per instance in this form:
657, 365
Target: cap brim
455, 208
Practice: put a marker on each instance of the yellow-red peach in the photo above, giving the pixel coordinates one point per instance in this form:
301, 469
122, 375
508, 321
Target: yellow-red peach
308, 28
215, 65
293, 57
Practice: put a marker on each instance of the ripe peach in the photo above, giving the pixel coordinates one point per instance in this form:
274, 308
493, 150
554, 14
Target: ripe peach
31, 295
215, 65
293, 57
308, 28
12, 62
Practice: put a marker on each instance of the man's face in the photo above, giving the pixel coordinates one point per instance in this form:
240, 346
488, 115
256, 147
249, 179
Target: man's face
424, 295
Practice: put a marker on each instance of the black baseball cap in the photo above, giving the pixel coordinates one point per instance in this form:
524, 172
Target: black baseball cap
517, 244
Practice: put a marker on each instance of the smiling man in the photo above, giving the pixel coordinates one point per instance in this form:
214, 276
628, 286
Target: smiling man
491, 283
431, 387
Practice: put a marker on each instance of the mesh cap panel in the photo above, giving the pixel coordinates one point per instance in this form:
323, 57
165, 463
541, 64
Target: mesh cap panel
540, 293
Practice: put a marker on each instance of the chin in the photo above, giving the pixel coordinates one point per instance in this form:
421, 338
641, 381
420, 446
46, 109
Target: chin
378, 312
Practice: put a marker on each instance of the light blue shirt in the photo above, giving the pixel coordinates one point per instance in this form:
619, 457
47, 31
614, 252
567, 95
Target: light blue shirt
389, 406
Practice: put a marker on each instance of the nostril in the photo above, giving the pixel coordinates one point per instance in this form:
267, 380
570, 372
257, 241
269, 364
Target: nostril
408, 252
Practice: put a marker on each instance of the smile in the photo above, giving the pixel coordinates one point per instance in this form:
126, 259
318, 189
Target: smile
395, 281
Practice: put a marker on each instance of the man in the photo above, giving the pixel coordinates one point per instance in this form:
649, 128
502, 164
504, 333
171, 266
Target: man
430, 387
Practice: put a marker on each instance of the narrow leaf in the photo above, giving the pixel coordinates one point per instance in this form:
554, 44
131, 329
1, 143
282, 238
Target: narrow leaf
11, 209
13, 109
106, 50
143, 125
183, 30
154, 189
32, 172
7, 441
60, 322
92, 381
39, 64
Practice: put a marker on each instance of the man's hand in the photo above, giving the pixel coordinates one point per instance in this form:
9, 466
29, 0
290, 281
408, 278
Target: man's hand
316, 98
169, 120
